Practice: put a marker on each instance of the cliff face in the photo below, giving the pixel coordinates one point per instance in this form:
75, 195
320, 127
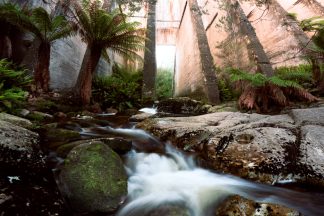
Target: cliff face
265, 39
66, 54
277, 36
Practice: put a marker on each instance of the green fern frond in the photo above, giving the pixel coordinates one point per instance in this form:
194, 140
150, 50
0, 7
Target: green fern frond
283, 83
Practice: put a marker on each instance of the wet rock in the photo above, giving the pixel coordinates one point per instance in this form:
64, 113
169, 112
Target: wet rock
53, 135
27, 187
93, 178
25, 123
226, 107
119, 145
312, 153
252, 146
140, 117
24, 112
60, 115
39, 116
182, 106
19, 148
236, 205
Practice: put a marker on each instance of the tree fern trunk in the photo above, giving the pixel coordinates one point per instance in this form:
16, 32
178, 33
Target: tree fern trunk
83, 85
5, 47
149, 70
207, 62
41, 71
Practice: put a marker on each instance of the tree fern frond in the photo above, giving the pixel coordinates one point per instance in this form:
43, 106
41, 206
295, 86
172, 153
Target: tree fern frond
300, 94
19, 17
283, 83
42, 20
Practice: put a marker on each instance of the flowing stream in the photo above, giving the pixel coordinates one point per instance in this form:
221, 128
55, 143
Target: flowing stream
156, 180
161, 175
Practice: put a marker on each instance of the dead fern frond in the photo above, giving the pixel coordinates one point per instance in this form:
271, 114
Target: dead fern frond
247, 99
299, 94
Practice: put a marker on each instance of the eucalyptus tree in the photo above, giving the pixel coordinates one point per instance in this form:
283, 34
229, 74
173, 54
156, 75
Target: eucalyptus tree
149, 68
101, 30
45, 28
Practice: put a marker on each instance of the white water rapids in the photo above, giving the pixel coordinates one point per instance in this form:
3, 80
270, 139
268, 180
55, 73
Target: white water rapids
156, 180
168, 177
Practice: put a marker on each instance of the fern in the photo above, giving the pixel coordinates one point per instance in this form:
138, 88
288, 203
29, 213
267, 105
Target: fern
261, 92
300, 74
122, 90
12, 83
292, 16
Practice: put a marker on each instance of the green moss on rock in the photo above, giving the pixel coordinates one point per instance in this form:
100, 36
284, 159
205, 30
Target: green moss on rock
94, 177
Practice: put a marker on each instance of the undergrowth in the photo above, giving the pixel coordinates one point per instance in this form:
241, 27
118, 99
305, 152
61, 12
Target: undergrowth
164, 82
121, 90
14, 83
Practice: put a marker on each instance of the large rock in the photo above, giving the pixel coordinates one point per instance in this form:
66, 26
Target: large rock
27, 186
262, 148
309, 116
93, 178
119, 145
312, 153
236, 205
19, 148
182, 106
25, 123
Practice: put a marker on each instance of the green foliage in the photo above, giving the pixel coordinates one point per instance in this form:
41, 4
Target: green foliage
302, 74
226, 89
260, 80
122, 90
292, 16
108, 30
164, 82
38, 21
13, 83
315, 24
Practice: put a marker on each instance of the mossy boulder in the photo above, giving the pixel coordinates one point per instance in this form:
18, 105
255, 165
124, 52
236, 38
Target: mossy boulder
93, 178
119, 145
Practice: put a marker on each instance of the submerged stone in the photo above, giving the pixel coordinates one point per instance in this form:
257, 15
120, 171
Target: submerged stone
93, 178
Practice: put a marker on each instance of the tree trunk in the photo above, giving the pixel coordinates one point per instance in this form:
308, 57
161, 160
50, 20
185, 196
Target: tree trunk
41, 72
318, 76
5, 47
260, 56
83, 85
149, 70
207, 62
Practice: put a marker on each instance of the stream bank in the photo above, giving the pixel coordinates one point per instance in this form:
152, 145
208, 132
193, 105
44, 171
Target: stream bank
263, 148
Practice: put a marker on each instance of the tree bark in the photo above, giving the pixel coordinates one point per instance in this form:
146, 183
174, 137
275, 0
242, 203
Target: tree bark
5, 47
207, 62
260, 56
41, 72
83, 85
149, 70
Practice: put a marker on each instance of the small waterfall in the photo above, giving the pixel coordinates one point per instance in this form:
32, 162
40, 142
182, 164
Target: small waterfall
161, 175
173, 178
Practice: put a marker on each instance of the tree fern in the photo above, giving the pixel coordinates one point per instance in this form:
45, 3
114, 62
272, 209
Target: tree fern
260, 92
101, 31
